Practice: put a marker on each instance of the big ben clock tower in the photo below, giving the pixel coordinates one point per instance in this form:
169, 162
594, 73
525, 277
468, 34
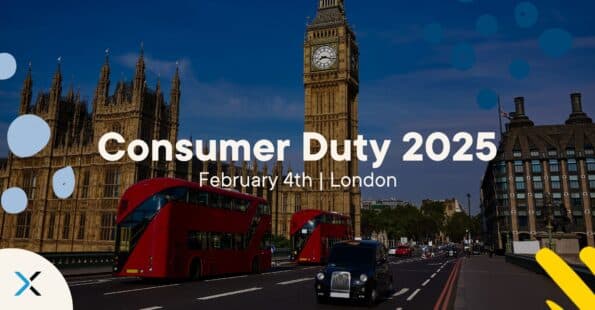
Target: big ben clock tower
331, 84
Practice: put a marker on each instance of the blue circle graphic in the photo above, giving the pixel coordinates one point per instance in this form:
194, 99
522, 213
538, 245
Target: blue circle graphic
519, 69
14, 200
463, 57
433, 33
526, 14
487, 25
487, 99
555, 42
8, 66
27, 135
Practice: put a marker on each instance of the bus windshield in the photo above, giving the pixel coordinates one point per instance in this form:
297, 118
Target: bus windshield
133, 226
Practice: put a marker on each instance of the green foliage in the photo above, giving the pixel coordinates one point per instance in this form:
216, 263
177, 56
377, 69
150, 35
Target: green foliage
421, 224
280, 242
402, 221
457, 226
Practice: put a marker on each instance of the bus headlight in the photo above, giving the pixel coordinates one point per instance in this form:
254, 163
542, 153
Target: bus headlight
320, 276
363, 277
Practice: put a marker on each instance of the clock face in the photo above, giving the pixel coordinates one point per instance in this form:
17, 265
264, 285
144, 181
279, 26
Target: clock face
324, 57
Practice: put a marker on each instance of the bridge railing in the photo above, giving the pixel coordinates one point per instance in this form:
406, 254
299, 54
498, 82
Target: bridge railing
79, 259
528, 262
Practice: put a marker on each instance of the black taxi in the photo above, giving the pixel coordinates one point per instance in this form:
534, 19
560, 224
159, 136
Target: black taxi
357, 270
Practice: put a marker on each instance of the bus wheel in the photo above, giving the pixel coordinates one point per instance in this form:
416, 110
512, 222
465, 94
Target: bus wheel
195, 269
255, 266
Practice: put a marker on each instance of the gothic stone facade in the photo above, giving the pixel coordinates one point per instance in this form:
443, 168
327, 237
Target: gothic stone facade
85, 222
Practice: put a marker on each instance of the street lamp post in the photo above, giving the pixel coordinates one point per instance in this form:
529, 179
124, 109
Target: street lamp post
549, 226
470, 222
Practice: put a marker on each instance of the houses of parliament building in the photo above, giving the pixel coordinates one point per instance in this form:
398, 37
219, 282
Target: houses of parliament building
85, 222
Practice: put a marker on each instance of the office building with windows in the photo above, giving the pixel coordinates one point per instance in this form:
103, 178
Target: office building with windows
542, 182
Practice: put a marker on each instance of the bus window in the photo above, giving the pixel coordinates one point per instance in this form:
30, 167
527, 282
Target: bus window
243, 205
176, 194
197, 240
264, 209
225, 202
197, 197
239, 241
226, 241
265, 244
216, 201
215, 241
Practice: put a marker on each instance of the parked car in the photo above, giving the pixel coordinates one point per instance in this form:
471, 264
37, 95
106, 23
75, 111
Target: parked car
356, 270
404, 251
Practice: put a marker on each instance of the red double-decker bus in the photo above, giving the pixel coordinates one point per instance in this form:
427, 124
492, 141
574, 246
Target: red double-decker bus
314, 232
170, 228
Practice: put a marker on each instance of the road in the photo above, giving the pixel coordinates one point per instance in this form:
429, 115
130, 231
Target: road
418, 285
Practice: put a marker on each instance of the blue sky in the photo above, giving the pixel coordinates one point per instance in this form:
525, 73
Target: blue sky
242, 68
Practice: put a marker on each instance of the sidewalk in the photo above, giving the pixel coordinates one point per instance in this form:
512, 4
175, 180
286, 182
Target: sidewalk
491, 283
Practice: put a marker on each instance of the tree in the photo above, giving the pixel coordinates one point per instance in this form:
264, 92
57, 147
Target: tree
456, 226
401, 221
280, 242
434, 218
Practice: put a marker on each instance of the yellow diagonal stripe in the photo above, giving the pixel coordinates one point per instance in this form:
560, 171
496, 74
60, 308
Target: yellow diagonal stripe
570, 283
587, 255
553, 305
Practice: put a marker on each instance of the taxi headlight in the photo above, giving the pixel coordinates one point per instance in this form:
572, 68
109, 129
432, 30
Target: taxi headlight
320, 276
363, 277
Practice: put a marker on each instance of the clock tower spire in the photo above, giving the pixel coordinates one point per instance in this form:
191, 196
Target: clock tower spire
331, 86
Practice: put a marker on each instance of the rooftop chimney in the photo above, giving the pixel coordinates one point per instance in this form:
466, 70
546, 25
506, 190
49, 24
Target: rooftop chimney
519, 104
520, 119
577, 116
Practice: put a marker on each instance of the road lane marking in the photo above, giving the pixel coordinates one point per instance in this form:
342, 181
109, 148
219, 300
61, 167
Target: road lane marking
89, 283
294, 281
140, 289
401, 292
413, 294
91, 280
151, 308
227, 278
279, 271
425, 282
230, 293
433, 275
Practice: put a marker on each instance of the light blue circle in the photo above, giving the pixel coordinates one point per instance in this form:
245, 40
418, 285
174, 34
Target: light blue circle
487, 99
487, 25
8, 66
433, 33
63, 182
14, 200
27, 135
555, 42
519, 69
463, 57
526, 14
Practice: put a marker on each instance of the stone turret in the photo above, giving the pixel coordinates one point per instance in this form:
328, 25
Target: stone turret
26, 93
